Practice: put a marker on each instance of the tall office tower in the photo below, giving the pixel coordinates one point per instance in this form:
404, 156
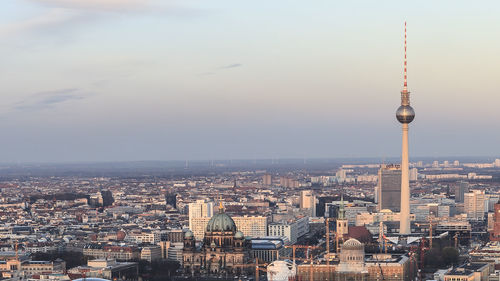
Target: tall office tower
107, 198
414, 174
171, 199
496, 163
341, 175
267, 179
456, 163
389, 188
495, 235
308, 201
460, 189
200, 209
405, 114
474, 204
288, 182
435, 164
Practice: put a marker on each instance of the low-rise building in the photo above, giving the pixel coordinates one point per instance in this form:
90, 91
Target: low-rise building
107, 269
152, 253
98, 251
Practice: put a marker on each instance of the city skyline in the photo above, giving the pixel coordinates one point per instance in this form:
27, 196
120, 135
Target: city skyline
153, 80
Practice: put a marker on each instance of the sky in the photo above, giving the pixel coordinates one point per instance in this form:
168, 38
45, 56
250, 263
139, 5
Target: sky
128, 80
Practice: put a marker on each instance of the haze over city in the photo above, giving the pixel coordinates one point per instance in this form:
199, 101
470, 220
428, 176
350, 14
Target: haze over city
127, 80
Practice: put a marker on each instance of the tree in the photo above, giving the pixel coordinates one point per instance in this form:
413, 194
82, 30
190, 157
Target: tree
433, 258
450, 255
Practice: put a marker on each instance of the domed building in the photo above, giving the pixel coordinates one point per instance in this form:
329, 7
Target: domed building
224, 250
352, 261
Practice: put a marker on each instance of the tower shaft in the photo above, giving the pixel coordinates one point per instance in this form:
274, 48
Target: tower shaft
404, 226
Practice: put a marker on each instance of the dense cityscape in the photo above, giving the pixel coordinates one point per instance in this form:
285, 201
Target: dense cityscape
250, 220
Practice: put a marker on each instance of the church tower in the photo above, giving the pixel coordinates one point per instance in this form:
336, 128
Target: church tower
342, 224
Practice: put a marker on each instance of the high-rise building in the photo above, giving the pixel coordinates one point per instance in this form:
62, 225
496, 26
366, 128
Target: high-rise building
107, 198
495, 235
405, 114
460, 189
200, 209
414, 174
308, 201
474, 204
290, 229
288, 182
267, 179
389, 188
341, 175
171, 199
321, 209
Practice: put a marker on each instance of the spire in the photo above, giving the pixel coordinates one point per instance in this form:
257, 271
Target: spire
341, 214
405, 95
405, 86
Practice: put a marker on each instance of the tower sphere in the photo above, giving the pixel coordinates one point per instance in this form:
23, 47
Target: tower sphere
405, 114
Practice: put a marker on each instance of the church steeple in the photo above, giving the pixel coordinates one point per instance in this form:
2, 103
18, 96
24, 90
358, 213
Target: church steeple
341, 212
342, 223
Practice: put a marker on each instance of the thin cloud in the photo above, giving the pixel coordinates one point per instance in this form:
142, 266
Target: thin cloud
49, 99
234, 65
229, 66
64, 14
206, 73
97, 5
53, 17
158, 7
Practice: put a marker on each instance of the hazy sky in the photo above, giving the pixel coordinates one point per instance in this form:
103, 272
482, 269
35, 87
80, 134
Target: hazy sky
85, 80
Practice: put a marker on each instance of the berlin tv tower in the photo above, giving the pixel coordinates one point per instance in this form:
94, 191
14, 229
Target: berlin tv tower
405, 114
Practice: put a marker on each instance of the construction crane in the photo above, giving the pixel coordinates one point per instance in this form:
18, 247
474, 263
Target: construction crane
385, 239
308, 247
422, 253
309, 256
327, 235
430, 232
381, 235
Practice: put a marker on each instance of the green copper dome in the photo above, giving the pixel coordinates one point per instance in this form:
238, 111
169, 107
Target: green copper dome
239, 235
221, 222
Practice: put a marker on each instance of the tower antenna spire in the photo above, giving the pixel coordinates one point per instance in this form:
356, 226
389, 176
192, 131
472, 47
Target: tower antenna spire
405, 86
